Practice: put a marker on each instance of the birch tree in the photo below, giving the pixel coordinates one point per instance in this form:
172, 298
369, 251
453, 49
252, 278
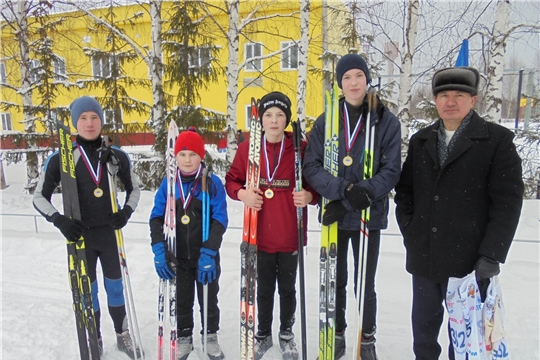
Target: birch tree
302, 63
406, 74
17, 15
235, 28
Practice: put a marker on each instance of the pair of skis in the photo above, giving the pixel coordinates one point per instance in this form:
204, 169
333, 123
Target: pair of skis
169, 230
78, 277
329, 234
79, 280
248, 248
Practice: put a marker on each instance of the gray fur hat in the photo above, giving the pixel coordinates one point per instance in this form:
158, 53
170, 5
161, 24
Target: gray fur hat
461, 79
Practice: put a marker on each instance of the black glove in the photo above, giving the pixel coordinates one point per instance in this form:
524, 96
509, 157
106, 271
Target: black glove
119, 219
359, 197
485, 268
333, 211
71, 228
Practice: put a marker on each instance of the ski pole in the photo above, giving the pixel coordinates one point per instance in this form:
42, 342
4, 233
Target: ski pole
297, 135
364, 232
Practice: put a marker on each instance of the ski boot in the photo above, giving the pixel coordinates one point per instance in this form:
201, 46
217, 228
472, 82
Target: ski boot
262, 345
185, 347
125, 344
213, 349
288, 346
367, 352
339, 345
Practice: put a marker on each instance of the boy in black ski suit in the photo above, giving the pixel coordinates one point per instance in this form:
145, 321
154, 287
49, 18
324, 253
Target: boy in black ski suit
98, 222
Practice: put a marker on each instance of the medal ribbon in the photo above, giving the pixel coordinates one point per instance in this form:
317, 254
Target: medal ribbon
96, 176
186, 199
349, 141
271, 177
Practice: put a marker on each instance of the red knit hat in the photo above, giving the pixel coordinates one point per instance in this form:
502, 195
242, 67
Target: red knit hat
190, 140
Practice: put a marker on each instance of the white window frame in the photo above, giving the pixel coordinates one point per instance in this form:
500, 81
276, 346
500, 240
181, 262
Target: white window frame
3, 73
6, 121
288, 54
200, 58
102, 66
59, 65
108, 116
34, 68
253, 50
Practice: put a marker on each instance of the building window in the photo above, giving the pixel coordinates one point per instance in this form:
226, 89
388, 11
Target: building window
35, 68
109, 116
199, 58
59, 69
253, 50
6, 122
103, 66
289, 56
3, 76
248, 117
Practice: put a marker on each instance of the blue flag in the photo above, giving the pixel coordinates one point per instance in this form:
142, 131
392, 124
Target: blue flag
463, 56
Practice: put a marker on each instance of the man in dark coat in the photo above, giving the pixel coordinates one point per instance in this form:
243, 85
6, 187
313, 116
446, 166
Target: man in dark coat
458, 202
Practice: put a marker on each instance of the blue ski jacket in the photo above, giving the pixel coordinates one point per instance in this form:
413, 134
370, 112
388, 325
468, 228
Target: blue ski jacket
189, 236
387, 166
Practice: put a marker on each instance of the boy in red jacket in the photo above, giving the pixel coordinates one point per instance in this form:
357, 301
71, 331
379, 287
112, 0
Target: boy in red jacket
276, 201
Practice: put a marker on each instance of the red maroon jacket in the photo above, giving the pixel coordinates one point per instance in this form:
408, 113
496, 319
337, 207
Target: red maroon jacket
277, 223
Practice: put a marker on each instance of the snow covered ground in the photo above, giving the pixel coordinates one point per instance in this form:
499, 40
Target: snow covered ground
37, 321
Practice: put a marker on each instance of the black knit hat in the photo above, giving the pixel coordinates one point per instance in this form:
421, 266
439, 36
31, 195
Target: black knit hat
349, 62
276, 99
461, 79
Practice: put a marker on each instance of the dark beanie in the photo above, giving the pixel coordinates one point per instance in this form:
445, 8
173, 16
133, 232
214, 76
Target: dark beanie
349, 62
464, 79
83, 104
190, 140
276, 99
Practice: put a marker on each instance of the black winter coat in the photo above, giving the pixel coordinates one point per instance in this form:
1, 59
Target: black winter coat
450, 216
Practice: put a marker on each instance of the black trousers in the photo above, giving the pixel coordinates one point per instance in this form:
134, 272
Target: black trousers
272, 267
427, 318
101, 244
370, 302
186, 284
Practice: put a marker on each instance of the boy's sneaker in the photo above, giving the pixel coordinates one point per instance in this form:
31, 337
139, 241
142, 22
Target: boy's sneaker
262, 345
185, 347
339, 346
125, 344
367, 352
213, 349
287, 345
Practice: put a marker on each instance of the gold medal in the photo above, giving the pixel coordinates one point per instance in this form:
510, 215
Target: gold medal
98, 193
347, 160
269, 193
185, 220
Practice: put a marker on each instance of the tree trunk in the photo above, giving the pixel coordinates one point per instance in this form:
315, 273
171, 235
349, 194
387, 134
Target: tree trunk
32, 171
232, 79
496, 63
302, 63
156, 68
405, 76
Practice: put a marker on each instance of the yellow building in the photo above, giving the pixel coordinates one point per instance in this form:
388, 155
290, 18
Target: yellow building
78, 32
